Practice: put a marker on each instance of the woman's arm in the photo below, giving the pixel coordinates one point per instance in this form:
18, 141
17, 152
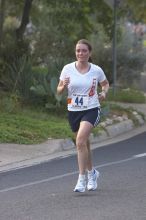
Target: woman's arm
62, 85
104, 89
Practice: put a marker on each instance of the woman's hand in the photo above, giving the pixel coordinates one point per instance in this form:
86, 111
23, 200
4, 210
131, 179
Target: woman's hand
66, 81
105, 87
102, 96
62, 85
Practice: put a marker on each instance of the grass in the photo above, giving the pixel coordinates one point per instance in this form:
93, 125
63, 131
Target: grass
127, 95
31, 126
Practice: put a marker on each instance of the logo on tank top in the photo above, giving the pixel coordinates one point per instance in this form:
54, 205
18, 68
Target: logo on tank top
93, 87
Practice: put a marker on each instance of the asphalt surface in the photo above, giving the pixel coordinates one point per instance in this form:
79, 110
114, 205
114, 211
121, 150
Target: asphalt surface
45, 191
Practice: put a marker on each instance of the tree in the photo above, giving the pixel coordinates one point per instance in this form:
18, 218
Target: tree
62, 23
25, 20
2, 9
14, 44
136, 10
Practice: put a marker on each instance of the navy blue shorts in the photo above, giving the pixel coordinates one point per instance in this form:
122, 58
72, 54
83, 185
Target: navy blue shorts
90, 115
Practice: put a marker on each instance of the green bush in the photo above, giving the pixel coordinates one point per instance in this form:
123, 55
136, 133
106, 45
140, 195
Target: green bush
9, 103
127, 95
130, 59
44, 87
18, 77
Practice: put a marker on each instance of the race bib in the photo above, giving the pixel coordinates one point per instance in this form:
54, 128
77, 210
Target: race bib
80, 101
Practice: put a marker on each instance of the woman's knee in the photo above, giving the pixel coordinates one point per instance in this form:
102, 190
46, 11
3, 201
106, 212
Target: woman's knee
80, 143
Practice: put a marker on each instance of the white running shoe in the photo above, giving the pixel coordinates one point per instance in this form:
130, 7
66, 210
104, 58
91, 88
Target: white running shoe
92, 180
81, 185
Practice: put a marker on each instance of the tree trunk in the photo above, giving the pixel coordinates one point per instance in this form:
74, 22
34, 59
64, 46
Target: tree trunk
24, 21
2, 9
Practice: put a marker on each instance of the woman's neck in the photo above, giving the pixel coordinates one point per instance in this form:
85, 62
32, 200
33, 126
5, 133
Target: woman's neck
82, 67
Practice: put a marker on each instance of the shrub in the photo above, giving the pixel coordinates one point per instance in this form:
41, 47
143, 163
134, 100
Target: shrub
18, 77
127, 95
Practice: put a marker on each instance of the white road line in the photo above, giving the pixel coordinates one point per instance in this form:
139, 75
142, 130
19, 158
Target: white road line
69, 174
140, 155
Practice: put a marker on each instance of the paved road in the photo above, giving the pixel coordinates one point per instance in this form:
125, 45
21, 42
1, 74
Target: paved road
44, 192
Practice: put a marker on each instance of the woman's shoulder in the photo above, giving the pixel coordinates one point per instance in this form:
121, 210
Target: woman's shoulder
69, 65
95, 67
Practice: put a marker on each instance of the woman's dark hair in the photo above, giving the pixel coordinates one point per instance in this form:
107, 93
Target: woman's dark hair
84, 41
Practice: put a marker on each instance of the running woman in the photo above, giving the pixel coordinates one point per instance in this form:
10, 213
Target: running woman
81, 79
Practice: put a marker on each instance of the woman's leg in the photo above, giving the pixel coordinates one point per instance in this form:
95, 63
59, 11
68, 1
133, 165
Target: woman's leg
89, 160
83, 147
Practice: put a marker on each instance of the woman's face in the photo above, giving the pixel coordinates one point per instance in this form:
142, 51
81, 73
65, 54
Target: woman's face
82, 52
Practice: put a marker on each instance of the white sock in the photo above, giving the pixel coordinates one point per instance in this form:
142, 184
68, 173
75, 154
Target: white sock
91, 171
81, 176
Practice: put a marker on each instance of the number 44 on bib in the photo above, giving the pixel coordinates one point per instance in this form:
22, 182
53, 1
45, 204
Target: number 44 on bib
80, 101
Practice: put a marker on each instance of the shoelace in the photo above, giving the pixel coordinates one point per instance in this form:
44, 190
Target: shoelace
80, 181
90, 178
